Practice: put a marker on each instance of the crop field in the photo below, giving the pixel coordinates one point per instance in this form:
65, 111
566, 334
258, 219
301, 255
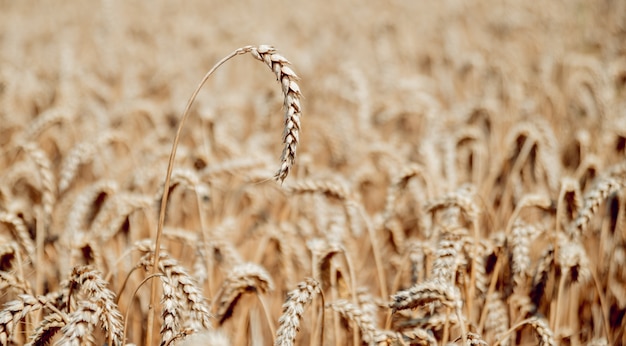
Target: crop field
351, 173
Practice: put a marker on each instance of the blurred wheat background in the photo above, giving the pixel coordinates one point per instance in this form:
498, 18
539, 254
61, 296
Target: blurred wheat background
459, 179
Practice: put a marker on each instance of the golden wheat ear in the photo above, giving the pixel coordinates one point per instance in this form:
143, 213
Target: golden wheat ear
291, 91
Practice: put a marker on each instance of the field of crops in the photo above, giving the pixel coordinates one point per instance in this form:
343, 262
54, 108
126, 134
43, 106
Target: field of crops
357, 173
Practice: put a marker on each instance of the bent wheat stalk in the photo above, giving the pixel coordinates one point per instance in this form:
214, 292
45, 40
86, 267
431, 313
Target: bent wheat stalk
291, 90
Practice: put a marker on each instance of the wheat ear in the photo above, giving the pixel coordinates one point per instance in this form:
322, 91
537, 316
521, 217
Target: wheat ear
546, 337
246, 277
45, 331
291, 134
292, 312
199, 317
20, 231
15, 310
100, 301
355, 314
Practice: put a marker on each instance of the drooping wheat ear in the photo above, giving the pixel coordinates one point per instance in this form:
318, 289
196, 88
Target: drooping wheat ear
399, 184
463, 198
170, 312
292, 94
591, 202
46, 179
232, 166
432, 322
430, 291
20, 232
84, 250
574, 261
358, 316
483, 251
188, 179
45, 120
419, 336
9, 280
328, 188
84, 202
200, 317
546, 336
225, 254
446, 259
322, 253
548, 155
527, 201
246, 277
47, 328
115, 212
292, 312
520, 306
83, 153
497, 321
469, 141
99, 300
575, 267
14, 311
368, 304
82, 321
286, 251
424, 293
522, 236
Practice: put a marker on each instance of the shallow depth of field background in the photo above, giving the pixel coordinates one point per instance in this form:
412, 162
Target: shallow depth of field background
484, 139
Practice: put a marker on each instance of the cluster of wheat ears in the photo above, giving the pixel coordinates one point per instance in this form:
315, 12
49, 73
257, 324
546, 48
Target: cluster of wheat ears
466, 187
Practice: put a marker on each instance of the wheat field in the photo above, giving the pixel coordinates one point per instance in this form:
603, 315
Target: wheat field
398, 173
